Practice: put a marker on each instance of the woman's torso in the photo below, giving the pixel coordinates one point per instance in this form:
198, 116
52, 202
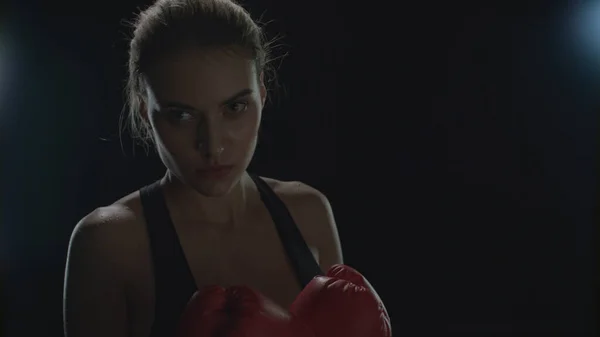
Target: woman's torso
251, 253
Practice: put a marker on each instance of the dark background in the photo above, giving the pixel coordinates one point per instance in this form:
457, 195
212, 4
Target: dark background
456, 142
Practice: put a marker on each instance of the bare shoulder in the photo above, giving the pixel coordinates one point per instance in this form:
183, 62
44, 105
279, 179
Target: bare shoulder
313, 214
297, 194
109, 230
112, 219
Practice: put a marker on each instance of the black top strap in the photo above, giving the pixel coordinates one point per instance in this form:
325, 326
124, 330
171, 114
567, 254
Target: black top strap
302, 260
174, 283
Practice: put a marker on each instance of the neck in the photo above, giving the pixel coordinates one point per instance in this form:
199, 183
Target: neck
186, 203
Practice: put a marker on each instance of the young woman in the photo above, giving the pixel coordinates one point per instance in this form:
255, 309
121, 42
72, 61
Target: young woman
197, 73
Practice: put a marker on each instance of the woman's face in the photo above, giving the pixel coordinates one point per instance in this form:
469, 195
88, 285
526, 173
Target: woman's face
205, 108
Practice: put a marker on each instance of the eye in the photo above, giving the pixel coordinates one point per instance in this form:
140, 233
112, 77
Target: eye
237, 107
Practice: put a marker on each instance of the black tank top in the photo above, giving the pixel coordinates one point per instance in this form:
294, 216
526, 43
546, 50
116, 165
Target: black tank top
174, 283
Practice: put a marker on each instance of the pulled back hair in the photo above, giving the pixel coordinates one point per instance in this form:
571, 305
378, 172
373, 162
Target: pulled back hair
169, 25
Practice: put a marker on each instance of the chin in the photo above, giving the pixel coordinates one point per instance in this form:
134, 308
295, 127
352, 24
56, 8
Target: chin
214, 188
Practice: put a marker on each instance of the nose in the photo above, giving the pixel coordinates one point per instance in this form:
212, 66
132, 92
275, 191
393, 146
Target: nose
209, 138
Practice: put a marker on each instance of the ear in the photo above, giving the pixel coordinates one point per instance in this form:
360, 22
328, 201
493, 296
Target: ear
263, 89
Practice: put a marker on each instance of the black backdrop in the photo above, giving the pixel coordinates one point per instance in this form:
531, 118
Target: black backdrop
455, 141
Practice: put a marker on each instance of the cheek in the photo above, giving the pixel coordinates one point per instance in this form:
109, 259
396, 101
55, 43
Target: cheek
173, 142
244, 130
166, 135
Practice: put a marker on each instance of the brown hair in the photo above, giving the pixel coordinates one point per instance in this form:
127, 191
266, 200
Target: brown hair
174, 24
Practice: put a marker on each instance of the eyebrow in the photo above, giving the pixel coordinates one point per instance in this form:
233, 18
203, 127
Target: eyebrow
233, 98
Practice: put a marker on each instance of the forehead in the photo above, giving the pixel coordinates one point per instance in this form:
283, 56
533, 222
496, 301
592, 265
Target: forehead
197, 76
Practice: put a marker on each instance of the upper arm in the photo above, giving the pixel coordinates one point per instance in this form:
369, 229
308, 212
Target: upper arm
327, 236
315, 216
94, 302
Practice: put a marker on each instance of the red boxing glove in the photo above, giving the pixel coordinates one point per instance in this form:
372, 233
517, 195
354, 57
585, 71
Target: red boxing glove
236, 312
343, 303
